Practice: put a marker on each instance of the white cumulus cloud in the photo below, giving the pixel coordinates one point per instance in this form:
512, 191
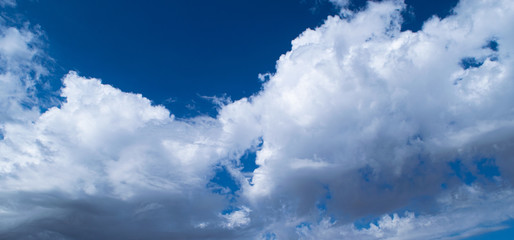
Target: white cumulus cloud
360, 119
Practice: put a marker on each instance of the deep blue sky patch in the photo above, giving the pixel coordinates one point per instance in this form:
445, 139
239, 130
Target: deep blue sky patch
223, 182
462, 172
173, 52
488, 168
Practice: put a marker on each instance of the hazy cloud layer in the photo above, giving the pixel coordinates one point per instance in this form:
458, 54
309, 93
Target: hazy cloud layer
363, 132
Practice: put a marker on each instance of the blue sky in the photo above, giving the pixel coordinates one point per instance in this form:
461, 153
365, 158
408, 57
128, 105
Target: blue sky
180, 50
174, 49
371, 119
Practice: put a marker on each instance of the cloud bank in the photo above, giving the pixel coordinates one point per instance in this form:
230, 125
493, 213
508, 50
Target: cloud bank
363, 132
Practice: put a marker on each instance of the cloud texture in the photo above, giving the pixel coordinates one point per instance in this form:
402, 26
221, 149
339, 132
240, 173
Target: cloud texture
363, 132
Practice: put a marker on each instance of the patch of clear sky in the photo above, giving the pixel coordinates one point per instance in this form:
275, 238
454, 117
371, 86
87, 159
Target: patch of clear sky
175, 52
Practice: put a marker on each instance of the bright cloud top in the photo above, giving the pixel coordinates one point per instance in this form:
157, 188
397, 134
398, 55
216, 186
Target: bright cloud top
359, 121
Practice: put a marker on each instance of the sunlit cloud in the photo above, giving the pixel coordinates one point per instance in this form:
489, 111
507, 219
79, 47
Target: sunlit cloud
364, 131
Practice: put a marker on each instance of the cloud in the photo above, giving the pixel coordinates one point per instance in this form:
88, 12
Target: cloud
372, 116
457, 222
105, 156
237, 218
7, 3
340, 3
21, 68
361, 122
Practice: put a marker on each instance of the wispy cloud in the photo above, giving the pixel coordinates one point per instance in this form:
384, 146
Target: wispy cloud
7, 3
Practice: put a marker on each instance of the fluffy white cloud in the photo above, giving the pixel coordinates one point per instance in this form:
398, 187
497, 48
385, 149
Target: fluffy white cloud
360, 119
237, 218
371, 115
112, 152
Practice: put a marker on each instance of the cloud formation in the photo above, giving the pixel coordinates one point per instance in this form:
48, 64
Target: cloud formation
20, 71
363, 132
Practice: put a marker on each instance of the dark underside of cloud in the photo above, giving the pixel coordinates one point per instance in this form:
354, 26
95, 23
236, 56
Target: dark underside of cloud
364, 131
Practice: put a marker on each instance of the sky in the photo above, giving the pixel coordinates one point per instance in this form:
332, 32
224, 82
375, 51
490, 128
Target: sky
294, 119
